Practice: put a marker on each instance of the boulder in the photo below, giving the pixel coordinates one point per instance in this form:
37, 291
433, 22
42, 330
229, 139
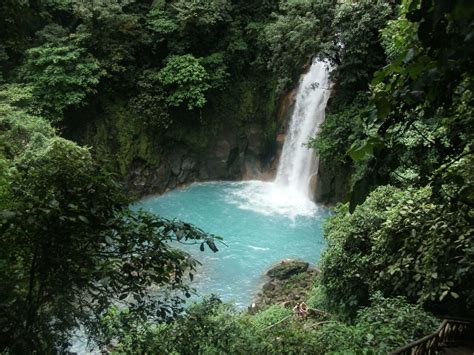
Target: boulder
287, 268
283, 287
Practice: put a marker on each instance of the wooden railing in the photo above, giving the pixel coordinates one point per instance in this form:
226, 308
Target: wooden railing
451, 332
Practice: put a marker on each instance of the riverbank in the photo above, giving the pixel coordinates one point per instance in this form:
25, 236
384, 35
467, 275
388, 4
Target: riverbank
289, 282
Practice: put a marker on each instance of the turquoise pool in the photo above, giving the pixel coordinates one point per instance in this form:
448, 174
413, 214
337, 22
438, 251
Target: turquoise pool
261, 223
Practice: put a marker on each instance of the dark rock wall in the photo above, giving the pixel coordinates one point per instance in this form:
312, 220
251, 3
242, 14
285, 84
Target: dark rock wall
229, 157
331, 185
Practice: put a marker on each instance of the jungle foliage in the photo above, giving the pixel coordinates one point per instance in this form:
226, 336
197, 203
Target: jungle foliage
70, 246
72, 253
213, 327
407, 227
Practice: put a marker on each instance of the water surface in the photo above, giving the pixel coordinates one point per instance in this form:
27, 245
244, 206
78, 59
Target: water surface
261, 223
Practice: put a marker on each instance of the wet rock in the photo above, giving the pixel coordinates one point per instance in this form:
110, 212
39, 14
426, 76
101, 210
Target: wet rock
280, 139
183, 177
203, 174
175, 160
286, 269
186, 172
331, 185
188, 164
172, 183
286, 105
233, 166
252, 167
221, 156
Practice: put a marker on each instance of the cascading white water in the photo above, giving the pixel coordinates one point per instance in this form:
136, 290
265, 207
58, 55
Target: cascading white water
298, 162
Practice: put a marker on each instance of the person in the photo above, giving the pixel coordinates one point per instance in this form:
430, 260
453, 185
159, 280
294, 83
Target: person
297, 309
303, 310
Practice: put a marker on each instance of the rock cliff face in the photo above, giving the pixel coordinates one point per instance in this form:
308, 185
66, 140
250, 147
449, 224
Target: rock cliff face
234, 137
231, 156
232, 152
286, 106
331, 186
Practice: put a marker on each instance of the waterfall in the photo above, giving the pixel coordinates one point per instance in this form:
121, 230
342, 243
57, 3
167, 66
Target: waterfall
298, 163
289, 194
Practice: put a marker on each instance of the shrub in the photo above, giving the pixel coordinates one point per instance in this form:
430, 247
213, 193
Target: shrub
401, 243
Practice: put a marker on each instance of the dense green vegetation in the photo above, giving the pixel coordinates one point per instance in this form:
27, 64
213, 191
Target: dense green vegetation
177, 72
132, 77
212, 327
411, 133
70, 247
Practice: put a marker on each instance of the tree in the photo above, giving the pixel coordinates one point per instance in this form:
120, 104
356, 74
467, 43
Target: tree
151, 101
185, 80
202, 14
298, 33
115, 37
211, 327
358, 53
423, 98
339, 130
18, 20
62, 76
71, 248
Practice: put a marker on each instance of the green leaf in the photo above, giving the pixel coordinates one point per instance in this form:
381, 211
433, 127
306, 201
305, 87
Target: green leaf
84, 219
383, 107
454, 295
361, 150
210, 243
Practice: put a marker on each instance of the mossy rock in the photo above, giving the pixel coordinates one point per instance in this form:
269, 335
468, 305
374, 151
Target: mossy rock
287, 269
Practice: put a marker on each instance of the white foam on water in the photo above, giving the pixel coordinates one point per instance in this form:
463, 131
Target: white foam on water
269, 198
258, 248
